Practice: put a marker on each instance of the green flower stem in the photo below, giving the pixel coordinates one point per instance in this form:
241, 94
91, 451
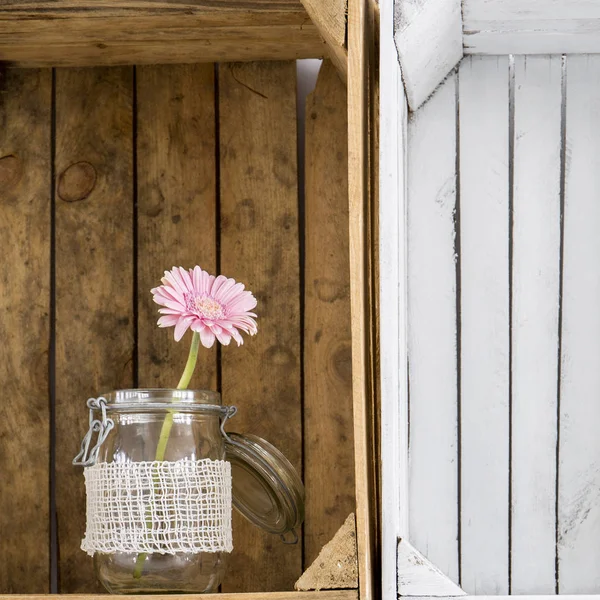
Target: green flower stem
165, 431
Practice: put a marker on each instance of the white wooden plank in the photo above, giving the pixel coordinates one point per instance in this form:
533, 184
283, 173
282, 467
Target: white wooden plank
524, 597
484, 215
531, 26
417, 576
428, 36
530, 10
535, 301
579, 452
433, 454
392, 308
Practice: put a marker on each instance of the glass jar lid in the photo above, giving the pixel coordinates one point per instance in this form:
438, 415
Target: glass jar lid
162, 399
266, 488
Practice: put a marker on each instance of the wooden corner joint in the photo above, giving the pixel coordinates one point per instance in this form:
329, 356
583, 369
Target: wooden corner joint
336, 567
418, 576
330, 18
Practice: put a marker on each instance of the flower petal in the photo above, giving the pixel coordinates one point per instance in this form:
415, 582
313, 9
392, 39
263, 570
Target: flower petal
181, 327
235, 334
168, 321
173, 278
207, 337
224, 337
186, 279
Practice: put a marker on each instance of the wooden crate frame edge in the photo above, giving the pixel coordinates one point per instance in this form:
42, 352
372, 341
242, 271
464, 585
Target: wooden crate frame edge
411, 71
122, 32
359, 60
321, 595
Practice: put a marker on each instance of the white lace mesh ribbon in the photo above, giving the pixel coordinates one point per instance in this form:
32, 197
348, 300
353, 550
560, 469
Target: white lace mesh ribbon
158, 507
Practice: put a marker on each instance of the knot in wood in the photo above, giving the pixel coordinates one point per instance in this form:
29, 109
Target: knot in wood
342, 362
10, 172
77, 181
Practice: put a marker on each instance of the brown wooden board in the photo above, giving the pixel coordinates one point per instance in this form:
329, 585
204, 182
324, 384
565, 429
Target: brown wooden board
321, 595
176, 175
361, 62
328, 440
259, 246
110, 32
94, 279
330, 18
25, 178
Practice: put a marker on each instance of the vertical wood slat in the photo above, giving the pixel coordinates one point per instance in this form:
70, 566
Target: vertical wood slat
328, 443
484, 252
535, 299
176, 222
361, 196
25, 184
432, 330
259, 246
94, 279
579, 473
393, 286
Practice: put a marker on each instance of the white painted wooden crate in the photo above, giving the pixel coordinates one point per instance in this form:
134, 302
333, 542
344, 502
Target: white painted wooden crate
490, 297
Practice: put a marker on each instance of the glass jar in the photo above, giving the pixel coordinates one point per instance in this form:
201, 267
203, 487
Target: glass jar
139, 418
161, 480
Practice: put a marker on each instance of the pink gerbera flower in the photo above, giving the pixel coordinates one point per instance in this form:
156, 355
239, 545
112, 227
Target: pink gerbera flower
215, 307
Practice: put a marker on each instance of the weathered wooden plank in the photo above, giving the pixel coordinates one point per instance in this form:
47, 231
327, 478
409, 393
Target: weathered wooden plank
176, 222
94, 279
523, 597
361, 68
330, 18
259, 246
535, 306
327, 335
320, 595
579, 475
71, 33
432, 330
428, 36
484, 376
393, 360
530, 27
25, 178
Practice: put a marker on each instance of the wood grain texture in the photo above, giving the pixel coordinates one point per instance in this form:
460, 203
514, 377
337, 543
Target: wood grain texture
321, 595
579, 472
523, 597
360, 65
327, 337
535, 307
25, 184
531, 27
393, 367
176, 222
330, 18
432, 330
484, 252
70, 33
428, 36
94, 279
259, 246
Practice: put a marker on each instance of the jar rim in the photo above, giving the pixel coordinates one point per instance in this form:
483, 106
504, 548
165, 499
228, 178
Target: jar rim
160, 398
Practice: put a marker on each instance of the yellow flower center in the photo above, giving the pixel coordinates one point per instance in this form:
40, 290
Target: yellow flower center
207, 307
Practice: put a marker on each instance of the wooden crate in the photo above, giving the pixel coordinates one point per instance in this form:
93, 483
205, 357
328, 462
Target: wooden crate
111, 174
490, 358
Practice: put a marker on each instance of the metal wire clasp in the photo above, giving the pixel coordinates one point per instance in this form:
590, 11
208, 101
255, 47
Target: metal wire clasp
102, 427
228, 413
